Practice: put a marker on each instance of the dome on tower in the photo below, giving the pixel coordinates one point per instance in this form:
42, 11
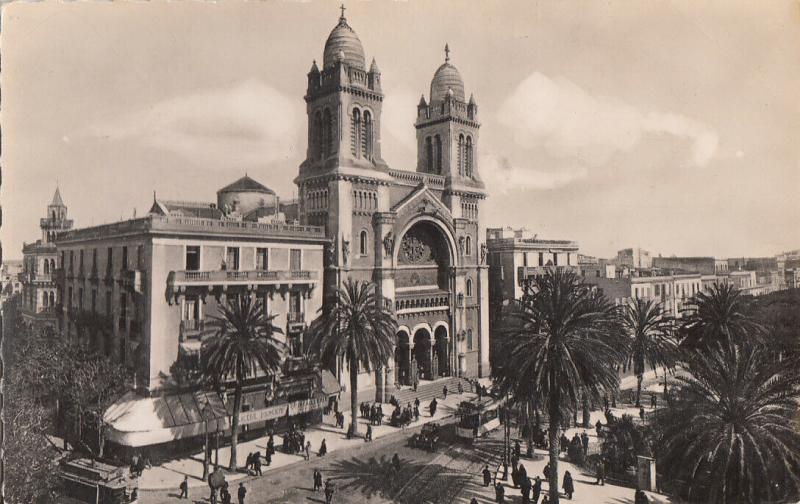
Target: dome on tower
345, 41
447, 78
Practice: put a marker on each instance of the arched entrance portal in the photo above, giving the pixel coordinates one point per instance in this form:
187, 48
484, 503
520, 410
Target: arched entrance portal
441, 353
403, 359
423, 354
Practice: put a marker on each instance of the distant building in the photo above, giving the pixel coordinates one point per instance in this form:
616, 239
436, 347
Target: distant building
634, 258
753, 263
40, 298
704, 265
517, 255
671, 290
10, 280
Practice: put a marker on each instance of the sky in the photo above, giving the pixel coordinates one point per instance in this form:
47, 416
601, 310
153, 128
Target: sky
669, 125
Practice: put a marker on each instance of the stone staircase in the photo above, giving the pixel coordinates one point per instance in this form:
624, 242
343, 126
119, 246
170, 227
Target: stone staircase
426, 390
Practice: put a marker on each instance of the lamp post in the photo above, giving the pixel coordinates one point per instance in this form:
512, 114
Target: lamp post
205, 443
506, 439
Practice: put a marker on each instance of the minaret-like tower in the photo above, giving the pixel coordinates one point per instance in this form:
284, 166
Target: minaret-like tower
56, 219
447, 128
343, 103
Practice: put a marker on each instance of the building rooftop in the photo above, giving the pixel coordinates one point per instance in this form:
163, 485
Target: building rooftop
193, 226
246, 184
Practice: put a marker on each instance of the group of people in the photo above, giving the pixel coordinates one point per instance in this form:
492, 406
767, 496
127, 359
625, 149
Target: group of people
329, 488
253, 463
576, 443
401, 417
373, 413
294, 440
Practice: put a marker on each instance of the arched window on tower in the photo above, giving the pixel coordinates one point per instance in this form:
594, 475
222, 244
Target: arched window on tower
46, 266
428, 155
468, 158
461, 154
317, 137
52, 299
45, 299
469, 287
362, 243
468, 246
329, 141
366, 136
52, 265
355, 133
438, 147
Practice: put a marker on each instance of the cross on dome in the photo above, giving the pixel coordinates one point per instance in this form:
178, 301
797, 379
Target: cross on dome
446, 52
342, 8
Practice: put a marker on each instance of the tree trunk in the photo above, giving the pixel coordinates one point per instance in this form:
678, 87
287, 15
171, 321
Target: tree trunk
638, 389
237, 405
587, 419
554, 422
354, 395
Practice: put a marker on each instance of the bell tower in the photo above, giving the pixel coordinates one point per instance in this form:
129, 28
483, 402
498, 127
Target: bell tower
56, 219
447, 127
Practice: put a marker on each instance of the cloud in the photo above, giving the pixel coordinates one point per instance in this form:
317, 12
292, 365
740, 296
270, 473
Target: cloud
501, 176
247, 124
571, 123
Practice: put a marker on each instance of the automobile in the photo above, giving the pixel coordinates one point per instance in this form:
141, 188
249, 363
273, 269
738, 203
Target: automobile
427, 438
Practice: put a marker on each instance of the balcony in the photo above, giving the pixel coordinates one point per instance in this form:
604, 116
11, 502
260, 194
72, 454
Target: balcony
178, 278
419, 302
526, 272
192, 328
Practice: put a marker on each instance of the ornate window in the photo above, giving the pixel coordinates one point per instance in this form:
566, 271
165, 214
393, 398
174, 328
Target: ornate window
468, 158
328, 139
46, 266
429, 154
468, 246
366, 136
469, 339
362, 242
461, 154
45, 299
317, 137
355, 133
438, 147
469, 287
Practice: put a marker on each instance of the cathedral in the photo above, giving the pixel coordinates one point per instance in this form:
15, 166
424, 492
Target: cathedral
415, 234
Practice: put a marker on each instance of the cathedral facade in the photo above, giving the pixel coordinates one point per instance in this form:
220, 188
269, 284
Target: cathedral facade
415, 234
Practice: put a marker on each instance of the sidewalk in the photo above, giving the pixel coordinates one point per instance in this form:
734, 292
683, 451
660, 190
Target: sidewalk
170, 474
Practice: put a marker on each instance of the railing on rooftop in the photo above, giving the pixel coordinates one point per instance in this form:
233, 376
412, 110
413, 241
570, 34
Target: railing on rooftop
249, 276
153, 223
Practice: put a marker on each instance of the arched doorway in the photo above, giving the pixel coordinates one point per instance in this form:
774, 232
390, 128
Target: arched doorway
441, 351
422, 353
402, 358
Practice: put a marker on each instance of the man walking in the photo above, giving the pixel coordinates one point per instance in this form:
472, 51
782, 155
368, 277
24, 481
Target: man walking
184, 488
585, 442
317, 480
329, 489
242, 493
433, 407
444, 391
487, 476
537, 489
601, 472
368, 436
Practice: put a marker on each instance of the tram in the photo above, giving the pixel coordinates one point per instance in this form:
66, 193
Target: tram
478, 417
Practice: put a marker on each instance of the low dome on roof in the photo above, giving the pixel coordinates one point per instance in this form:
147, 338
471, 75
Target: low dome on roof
343, 39
447, 78
246, 184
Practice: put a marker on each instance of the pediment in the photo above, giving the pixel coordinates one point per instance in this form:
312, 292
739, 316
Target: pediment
423, 201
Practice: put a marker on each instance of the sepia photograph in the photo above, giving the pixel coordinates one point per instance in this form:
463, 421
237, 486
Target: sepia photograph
400, 251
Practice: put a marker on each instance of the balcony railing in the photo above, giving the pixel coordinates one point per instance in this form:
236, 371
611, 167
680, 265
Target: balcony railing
423, 302
244, 277
192, 328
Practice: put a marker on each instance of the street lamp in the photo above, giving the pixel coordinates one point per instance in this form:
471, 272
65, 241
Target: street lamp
205, 412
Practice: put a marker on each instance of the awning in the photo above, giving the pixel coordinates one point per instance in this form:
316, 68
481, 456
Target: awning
330, 385
142, 421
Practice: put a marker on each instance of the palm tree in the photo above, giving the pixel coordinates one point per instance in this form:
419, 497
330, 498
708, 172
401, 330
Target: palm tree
241, 344
651, 338
721, 316
357, 324
560, 340
730, 431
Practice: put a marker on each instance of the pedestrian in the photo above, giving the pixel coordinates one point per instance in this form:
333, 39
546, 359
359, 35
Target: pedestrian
241, 493
473, 500
257, 464
537, 489
416, 402
653, 401
213, 497
641, 414
396, 462
514, 474
563, 442
268, 458
433, 407
368, 436
487, 476
640, 497
567, 485
522, 474
499, 493
329, 489
317, 480
271, 444
460, 388
225, 495
308, 450
585, 442
601, 472
184, 488
546, 471
517, 449
526, 491
444, 391
323, 448
416, 413
598, 427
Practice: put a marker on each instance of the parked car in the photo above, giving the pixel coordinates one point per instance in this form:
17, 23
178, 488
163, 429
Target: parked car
427, 438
